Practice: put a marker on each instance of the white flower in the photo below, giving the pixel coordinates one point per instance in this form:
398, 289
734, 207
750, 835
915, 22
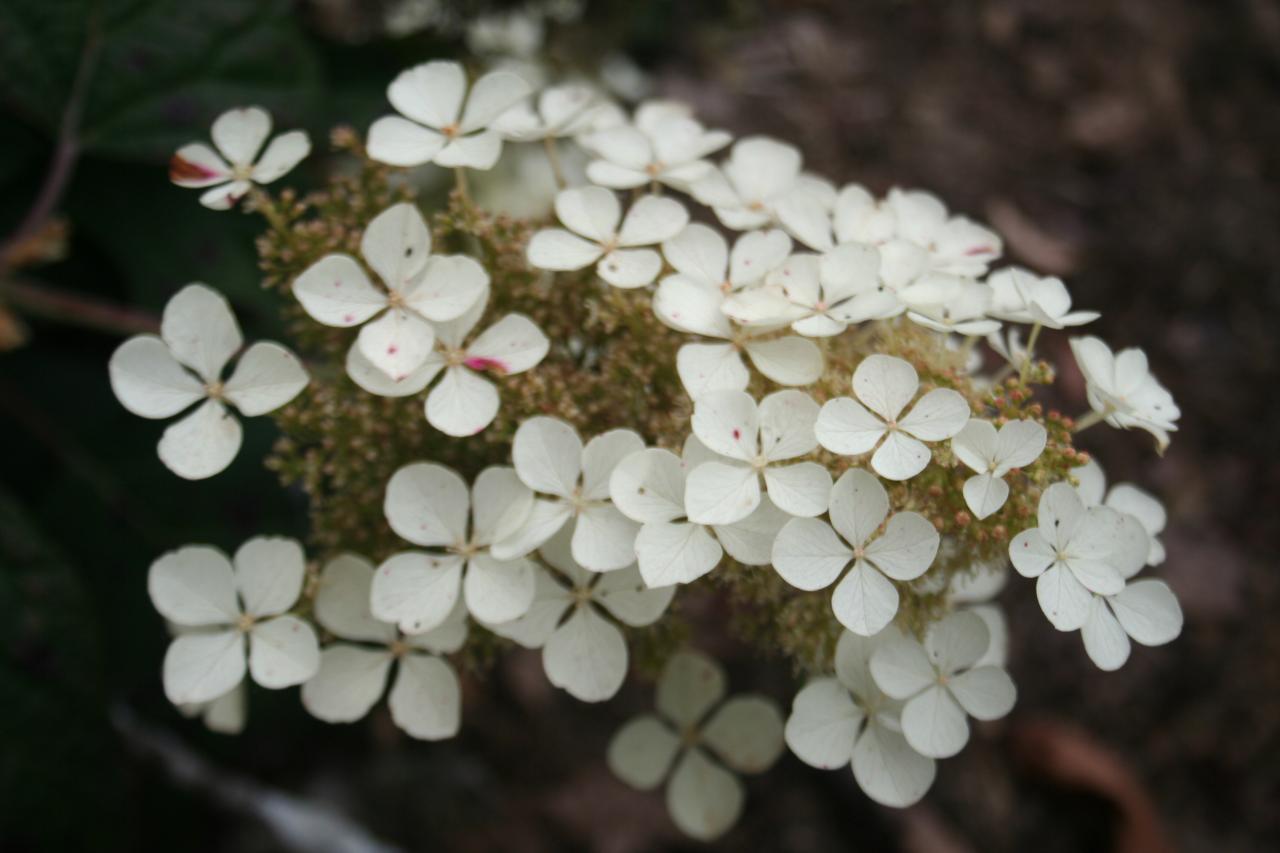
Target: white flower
550, 459
954, 304
761, 184
885, 385
665, 144
592, 214
848, 720
941, 682
706, 747
418, 288
231, 608
158, 377
1023, 297
463, 402
565, 110
1126, 498
951, 244
425, 699
436, 127
235, 167
1009, 345
1077, 551
993, 454
754, 440
225, 715
820, 295
691, 300
428, 505
810, 555
860, 218
1121, 389
1146, 611
649, 487
584, 654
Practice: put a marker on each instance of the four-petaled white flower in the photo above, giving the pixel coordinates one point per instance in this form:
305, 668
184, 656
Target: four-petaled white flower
592, 215
993, 454
569, 109
152, 376
1127, 498
810, 555
1120, 387
1021, 296
953, 305
848, 720
574, 620
755, 439
665, 144
941, 683
434, 126
227, 609
649, 487
429, 505
419, 288
885, 385
1145, 611
463, 402
550, 459
235, 167
425, 699
1077, 551
706, 740
691, 300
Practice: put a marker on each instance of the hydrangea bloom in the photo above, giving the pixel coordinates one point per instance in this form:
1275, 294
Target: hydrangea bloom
1122, 390
752, 440
595, 236
1023, 297
1126, 498
569, 109
705, 738
848, 720
886, 385
941, 683
236, 166
664, 144
574, 620
158, 377
811, 555
993, 455
425, 698
229, 609
442, 120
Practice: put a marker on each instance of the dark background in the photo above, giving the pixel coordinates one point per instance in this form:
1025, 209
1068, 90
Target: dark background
1132, 148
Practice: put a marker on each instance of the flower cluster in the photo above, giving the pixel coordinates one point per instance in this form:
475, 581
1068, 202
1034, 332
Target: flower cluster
836, 395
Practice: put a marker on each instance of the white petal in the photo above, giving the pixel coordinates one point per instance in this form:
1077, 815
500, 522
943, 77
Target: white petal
1149, 612
802, 489
1064, 601
1060, 513
806, 218
1031, 554
934, 724
225, 196
985, 692
462, 403
858, 506
601, 456
786, 425
750, 540
283, 651
430, 93
716, 493
648, 486
940, 414
514, 344
651, 220
688, 305
627, 598
196, 165
548, 456
997, 653
604, 539
957, 641
690, 684
557, 249
700, 253
447, 637
845, 427
265, 378
426, 700
477, 151
727, 422
201, 444
497, 591
545, 519
427, 504
975, 445
200, 667
907, 548
853, 663
586, 656
269, 574
900, 457
195, 586
885, 385
824, 724
888, 770
1104, 640
397, 343
641, 752
787, 361
449, 287
674, 553
1020, 443
611, 175
149, 382
416, 591
397, 244
226, 714
630, 267
239, 133
703, 798
745, 733
550, 602
200, 330
285, 151
985, 494
336, 292
808, 554
490, 96
864, 601
397, 142
705, 368
900, 667
591, 212
342, 601
348, 683
500, 505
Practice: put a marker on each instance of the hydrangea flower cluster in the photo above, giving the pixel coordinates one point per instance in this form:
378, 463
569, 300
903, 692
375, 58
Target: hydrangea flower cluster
706, 367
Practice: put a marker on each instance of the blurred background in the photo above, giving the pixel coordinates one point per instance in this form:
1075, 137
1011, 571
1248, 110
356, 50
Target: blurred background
1132, 148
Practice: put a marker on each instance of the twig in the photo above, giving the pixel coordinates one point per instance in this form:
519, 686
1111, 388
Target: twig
553, 157
41, 300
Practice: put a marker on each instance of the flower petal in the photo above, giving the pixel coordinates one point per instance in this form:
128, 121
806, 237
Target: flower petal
462, 403
397, 245
1031, 554
845, 427
728, 423
718, 493
940, 414
745, 733
651, 220
690, 684
864, 601
497, 591
1105, 640
427, 504
803, 489
512, 345
285, 151
200, 330
703, 798
629, 268
200, 667
430, 93
591, 212
906, 548
901, 667
342, 601
194, 586
629, 600
787, 361
201, 444
416, 591
197, 165
283, 651
705, 368
934, 724
557, 249
604, 539
648, 486
985, 494
808, 555
858, 506
642, 751
269, 574
700, 253
885, 385
397, 142
265, 378
674, 553
586, 657
956, 642
985, 692
1149, 612
490, 96
602, 455
551, 600
824, 724
786, 425
426, 699
239, 133
336, 292
900, 457
547, 454
397, 343
888, 770
348, 683
149, 382
688, 305
750, 540
1064, 601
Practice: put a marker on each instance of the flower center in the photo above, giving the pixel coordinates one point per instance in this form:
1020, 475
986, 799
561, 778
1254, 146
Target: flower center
215, 390
451, 131
245, 623
398, 648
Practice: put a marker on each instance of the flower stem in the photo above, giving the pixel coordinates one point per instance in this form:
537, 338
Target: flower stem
1029, 354
460, 174
265, 204
553, 157
75, 309
1088, 420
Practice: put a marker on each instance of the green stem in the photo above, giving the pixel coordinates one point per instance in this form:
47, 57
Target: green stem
1030, 352
460, 175
553, 157
1088, 420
